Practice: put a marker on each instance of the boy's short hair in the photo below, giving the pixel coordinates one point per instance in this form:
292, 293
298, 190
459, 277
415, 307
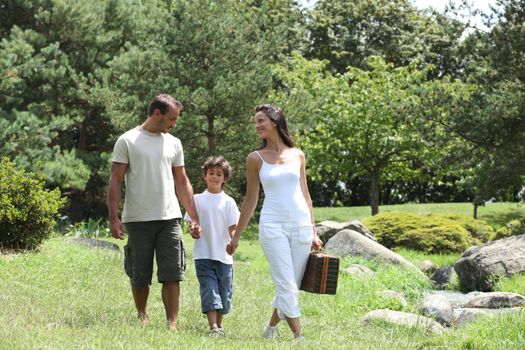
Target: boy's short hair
218, 162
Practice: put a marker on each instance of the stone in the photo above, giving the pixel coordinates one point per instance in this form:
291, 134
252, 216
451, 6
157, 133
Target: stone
95, 243
349, 242
403, 319
480, 267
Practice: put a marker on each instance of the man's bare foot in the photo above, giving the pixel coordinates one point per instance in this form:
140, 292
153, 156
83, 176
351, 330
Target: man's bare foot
143, 319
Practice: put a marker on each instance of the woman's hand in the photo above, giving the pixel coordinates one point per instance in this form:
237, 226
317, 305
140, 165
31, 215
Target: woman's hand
316, 243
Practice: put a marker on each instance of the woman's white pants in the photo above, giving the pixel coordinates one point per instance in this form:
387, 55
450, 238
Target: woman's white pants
286, 247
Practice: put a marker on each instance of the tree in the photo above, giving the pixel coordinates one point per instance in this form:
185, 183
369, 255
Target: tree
348, 32
362, 123
214, 56
54, 55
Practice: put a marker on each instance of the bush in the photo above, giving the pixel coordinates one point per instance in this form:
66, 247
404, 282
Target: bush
478, 229
512, 228
427, 233
27, 209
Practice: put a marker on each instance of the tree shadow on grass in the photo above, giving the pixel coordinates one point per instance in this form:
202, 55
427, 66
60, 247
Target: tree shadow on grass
500, 219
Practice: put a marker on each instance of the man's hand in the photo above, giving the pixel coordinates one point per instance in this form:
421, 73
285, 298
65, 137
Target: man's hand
195, 230
116, 228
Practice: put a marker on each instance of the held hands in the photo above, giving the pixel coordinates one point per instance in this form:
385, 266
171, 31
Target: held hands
232, 245
195, 230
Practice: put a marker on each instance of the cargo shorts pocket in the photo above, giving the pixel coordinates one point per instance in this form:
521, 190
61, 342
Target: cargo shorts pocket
127, 261
182, 256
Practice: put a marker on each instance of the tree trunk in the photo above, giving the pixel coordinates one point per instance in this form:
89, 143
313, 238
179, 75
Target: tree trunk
374, 193
475, 215
212, 142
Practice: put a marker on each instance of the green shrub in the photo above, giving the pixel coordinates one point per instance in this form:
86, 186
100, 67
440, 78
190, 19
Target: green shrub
512, 228
478, 229
428, 233
27, 209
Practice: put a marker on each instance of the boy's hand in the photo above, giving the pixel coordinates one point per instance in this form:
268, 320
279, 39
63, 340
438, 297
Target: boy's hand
232, 246
195, 230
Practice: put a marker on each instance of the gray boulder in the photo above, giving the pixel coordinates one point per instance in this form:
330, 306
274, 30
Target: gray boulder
496, 300
403, 319
349, 242
94, 243
359, 271
443, 277
480, 267
327, 229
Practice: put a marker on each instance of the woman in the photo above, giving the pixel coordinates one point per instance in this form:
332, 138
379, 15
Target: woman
286, 227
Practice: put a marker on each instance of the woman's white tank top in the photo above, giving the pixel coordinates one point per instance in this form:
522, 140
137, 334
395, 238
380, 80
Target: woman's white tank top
283, 198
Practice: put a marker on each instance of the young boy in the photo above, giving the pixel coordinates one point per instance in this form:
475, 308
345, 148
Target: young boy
218, 215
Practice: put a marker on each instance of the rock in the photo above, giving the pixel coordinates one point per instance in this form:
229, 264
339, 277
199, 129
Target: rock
404, 319
327, 229
443, 277
359, 271
393, 295
349, 242
496, 300
428, 267
94, 243
439, 307
480, 267
464, 315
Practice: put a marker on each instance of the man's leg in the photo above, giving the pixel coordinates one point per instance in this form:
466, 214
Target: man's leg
139, 253
140, 296
170, 298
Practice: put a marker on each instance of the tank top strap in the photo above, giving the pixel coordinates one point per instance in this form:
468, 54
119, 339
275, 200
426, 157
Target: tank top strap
257, 152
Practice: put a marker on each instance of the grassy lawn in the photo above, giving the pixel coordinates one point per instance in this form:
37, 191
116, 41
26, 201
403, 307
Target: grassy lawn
495, 214
69, 297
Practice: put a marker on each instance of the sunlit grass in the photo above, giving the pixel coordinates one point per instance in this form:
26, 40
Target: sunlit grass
67, 296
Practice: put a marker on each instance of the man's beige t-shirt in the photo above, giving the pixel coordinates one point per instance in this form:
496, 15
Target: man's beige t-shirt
150, 188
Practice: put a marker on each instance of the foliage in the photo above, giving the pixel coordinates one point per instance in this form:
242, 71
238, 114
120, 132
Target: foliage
478, 229
348, 33
54, 55
27, 210
512, 228
92, 228
495, 214
362, 123
427, 233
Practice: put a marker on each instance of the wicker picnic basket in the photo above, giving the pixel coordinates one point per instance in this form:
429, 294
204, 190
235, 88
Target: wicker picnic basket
321, 274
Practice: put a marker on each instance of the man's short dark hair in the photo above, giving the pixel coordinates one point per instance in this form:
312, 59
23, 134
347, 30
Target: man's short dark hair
162, 102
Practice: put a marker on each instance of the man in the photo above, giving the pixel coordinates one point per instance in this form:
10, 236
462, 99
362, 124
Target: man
152, 163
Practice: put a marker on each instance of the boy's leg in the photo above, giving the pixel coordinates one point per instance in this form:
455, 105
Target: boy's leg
225, 284
213, 318
209, 289
171, 264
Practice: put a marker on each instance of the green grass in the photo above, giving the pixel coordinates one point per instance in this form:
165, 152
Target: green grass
495, 214
67, 296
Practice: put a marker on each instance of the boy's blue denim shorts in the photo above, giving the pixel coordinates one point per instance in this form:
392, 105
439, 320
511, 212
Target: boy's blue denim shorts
216, 285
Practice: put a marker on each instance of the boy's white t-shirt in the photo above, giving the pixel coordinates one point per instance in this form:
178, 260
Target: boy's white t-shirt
150, 188
217, 212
